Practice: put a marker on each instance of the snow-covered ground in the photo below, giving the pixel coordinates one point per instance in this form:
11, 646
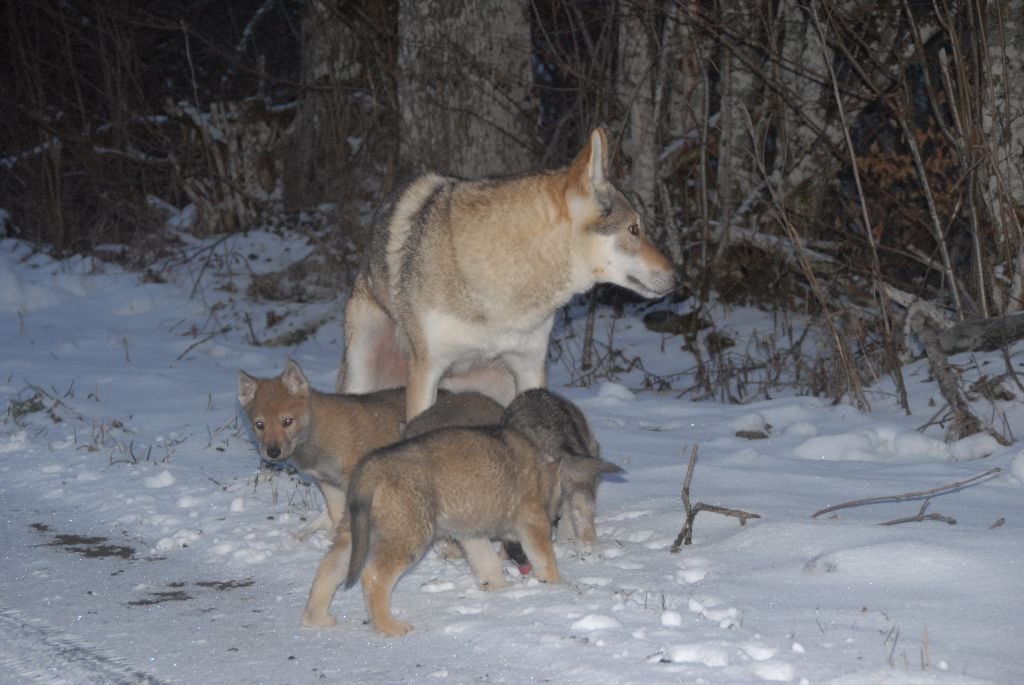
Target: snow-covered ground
142, 542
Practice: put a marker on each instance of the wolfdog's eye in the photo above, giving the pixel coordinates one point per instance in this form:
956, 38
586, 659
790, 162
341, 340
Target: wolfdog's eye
287, 421
258, 425
634, 229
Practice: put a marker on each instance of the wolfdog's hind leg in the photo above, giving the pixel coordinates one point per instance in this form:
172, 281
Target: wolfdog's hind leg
329, 575
373, 357
484, 561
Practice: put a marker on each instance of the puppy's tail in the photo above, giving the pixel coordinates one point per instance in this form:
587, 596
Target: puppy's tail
360, 502
581, 469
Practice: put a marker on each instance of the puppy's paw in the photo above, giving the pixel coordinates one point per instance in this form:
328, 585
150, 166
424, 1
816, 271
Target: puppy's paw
392, 628
311, 619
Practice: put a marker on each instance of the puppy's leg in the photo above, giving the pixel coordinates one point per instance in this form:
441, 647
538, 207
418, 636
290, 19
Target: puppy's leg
565, 530
329, 575
484, 561
581, 509
535, 535
321, 522
334, 499
392, 555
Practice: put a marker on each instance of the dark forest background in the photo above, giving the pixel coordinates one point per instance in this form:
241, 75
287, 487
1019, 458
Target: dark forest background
859, 160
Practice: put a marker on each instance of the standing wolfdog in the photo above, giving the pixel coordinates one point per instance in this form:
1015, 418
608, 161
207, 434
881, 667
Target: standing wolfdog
462, 274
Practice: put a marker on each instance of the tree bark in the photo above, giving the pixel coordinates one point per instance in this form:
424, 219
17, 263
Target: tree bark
637, 76
464, 86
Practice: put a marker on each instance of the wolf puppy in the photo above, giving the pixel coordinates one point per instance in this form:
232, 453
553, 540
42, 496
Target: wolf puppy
456, 409
461, 274
472, 484
325, 435
541, 414
559, 427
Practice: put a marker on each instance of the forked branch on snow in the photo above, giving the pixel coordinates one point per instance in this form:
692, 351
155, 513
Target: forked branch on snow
685, 536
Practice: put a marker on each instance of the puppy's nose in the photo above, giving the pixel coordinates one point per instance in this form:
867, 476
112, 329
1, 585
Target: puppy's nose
273, 452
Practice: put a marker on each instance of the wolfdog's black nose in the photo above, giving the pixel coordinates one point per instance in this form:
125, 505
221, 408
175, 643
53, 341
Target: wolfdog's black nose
273, 452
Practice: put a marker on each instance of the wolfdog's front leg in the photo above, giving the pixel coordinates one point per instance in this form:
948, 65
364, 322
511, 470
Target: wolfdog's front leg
329, 575
421, 393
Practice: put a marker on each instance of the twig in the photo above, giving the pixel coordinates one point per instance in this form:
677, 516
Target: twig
685, 536
943, 489
921, 516
199, 342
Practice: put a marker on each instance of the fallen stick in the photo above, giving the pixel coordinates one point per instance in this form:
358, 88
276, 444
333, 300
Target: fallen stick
921, 516
907, 495
685, 536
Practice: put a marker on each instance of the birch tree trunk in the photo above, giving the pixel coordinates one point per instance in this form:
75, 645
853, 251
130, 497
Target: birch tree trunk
739, 91
1003, 128
1004, 123
464, 86
805, 111
638, 72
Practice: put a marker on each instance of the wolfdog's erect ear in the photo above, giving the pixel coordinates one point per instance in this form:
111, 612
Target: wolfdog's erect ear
588, 173
294, 379
246, 388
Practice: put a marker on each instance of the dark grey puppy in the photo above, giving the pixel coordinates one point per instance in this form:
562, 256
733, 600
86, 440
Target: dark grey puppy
560, 429
456, 409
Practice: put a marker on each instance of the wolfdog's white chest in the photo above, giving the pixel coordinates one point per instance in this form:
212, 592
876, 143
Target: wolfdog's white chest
456, 339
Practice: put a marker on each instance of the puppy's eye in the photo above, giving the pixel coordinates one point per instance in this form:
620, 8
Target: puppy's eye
634, 229
287, 421
258, 425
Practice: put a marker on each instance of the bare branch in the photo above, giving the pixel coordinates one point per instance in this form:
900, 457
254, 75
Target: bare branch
921, 516
685, 536
941, 490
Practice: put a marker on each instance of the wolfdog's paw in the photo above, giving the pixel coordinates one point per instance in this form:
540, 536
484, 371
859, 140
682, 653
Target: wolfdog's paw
312, 619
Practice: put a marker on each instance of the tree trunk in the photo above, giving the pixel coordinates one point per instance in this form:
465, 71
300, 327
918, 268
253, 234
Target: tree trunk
638, 72
464, 86
1003, 127
348, 94
739, 93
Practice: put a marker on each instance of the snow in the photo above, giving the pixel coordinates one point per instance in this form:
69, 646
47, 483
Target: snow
143, 542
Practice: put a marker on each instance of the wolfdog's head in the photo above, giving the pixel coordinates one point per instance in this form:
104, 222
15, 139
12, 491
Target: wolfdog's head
615, 247
278, 410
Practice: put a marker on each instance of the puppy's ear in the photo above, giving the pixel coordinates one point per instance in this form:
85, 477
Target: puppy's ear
246, 388
294, 379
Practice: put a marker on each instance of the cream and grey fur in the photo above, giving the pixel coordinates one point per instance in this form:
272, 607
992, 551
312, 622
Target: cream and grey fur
464, 277
472, 484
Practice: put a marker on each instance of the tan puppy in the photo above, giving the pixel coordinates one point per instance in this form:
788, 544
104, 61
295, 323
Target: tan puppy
472, 484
